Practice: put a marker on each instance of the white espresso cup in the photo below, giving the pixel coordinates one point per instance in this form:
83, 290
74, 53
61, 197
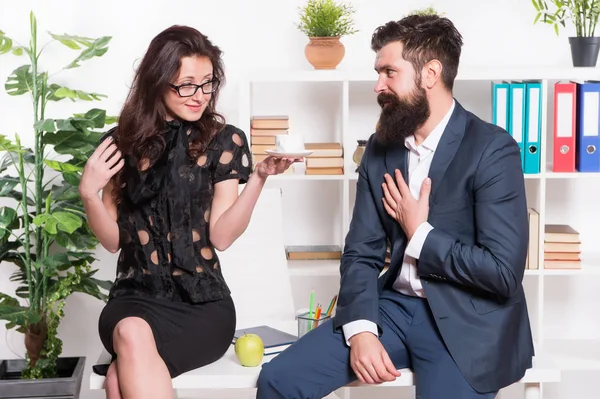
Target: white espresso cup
289, 143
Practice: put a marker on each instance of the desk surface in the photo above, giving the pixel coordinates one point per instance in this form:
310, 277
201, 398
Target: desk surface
225, 373
228, 373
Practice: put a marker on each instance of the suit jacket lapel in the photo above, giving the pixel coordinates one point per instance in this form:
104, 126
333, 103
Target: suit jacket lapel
396, 157
447, 147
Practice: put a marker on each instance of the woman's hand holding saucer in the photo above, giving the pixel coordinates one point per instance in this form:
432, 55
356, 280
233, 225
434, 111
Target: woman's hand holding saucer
274, 165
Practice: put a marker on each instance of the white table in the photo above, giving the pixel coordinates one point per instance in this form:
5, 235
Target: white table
228, 373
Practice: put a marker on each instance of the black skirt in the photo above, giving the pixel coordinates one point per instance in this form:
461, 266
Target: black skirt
187, 336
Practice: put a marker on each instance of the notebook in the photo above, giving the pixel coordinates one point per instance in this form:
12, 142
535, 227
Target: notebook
275, 340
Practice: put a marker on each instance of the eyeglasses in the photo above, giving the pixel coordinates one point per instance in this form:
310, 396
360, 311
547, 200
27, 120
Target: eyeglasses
189, 89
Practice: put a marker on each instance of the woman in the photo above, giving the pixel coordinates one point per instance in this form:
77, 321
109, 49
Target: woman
169, 175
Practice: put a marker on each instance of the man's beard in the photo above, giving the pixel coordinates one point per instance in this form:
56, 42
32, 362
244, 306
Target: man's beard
400, 118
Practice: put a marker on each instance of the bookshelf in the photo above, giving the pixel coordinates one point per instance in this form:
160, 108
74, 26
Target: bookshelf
353, 111
464, 73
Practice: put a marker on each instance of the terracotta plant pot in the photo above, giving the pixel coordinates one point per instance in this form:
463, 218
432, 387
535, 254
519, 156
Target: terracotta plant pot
324, 52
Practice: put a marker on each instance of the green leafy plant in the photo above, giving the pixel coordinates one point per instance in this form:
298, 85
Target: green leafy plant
326, 18
427, 11
582, 13
45, 234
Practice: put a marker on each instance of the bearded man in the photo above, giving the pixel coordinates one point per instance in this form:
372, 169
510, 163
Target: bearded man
446, 190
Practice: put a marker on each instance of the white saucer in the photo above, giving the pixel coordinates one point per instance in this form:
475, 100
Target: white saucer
288, 154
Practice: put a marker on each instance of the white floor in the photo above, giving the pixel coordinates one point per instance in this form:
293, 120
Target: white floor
239, 394
511, 392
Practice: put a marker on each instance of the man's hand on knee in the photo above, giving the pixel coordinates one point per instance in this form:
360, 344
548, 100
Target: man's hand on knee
370, 361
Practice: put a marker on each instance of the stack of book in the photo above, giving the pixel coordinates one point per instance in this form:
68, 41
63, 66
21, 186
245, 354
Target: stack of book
263, 130
326, 159
562, 247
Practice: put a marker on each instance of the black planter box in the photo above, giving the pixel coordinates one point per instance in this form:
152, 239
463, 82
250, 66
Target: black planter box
66, 386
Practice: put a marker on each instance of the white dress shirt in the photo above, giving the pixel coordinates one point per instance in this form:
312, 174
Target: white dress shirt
407, 281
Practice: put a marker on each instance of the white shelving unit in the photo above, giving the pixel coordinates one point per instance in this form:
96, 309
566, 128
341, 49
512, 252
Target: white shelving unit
570, 352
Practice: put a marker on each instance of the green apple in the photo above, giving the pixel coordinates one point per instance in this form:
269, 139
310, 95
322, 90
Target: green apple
249, 349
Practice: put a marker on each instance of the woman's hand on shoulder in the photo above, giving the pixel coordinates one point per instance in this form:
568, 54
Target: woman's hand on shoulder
104, 163
272, 165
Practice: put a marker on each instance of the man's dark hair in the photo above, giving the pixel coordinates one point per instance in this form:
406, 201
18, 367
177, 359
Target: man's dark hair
425, 38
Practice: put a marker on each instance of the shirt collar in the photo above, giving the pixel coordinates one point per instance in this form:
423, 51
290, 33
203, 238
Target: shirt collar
432, 141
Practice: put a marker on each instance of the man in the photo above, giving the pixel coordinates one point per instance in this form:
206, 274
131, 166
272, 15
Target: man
447, 190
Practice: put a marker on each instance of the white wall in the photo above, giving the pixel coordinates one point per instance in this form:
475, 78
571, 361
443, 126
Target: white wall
262, 34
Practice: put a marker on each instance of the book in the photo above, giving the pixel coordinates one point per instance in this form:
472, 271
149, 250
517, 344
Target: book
561, 256
313, 252
573, 247
266, 132
276, 122
324, 171
562, 264
533, 261
560, 233
260, 149
263, 140
324, 150
274, 340
330, 162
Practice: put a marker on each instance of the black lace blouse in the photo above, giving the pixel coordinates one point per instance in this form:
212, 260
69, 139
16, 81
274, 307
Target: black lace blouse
164, 215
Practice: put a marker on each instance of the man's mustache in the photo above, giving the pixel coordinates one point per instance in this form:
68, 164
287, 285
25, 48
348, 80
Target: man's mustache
386, 98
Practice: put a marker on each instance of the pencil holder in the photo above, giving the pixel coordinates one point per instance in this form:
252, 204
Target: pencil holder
306, 323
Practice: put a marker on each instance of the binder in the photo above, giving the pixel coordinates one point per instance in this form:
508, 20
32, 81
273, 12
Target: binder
274, 340
501, 104
517, 116
587, 139
565, 106
533, 126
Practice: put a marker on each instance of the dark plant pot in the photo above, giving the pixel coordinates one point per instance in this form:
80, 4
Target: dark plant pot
584, 51
66, 386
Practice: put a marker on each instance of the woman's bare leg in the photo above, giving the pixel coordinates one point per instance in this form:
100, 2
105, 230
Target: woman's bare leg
142, 373
111, 383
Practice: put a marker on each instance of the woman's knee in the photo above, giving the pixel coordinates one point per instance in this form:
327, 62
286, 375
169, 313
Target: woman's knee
132, 334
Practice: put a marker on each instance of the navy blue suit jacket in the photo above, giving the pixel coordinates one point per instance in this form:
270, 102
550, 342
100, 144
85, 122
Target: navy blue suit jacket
472, 262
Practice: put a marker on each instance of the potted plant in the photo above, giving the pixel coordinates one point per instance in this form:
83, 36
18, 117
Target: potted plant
427, 11
325, 22
45, 233
584, 15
